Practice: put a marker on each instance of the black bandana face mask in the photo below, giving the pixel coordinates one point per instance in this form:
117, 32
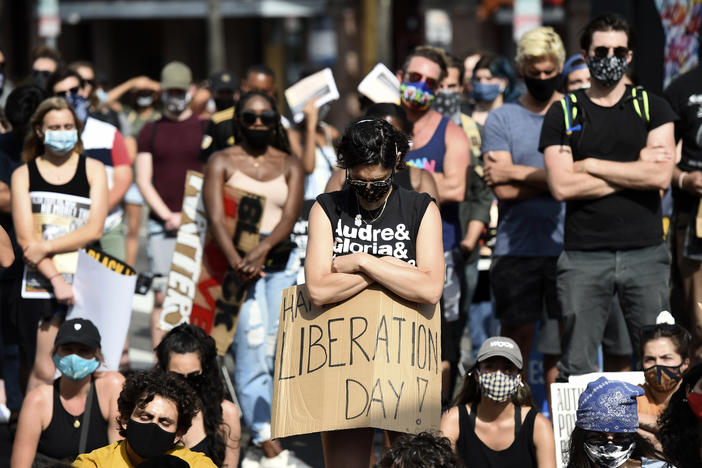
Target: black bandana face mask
371, 191
607, 70
148, 439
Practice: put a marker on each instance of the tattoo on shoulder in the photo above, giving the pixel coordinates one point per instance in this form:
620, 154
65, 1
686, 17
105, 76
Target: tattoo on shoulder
564, 149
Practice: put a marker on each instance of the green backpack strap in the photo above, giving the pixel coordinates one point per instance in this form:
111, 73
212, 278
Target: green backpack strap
569, 104
640, 100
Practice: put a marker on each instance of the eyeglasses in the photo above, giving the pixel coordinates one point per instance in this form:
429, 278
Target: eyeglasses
73, 90
90, 82
373, 183
416, 77
267, 117
619, 52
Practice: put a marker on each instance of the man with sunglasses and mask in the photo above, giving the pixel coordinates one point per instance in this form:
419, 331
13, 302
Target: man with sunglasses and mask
166, 150
608, 153
104, 142
441, 147
45, 62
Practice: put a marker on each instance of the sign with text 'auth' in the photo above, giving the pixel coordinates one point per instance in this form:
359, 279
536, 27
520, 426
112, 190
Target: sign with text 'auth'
372, 360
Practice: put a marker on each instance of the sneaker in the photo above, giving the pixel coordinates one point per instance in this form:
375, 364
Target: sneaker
285, 459
252, 459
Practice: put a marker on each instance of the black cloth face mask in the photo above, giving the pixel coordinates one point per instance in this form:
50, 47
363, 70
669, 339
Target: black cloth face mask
257, 138
542, 90
149, 439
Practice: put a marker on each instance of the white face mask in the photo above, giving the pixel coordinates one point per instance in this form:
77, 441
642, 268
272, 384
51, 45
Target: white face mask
609, 455
176, 104
498, 386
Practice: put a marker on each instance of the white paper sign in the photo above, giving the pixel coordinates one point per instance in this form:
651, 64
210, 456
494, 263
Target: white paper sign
320, 85
381, 85
103, 292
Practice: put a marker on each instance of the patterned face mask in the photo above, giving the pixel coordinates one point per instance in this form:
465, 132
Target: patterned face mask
448, 104
663, 378
607, 70
498, 386
75, 367
417, 95
609, 455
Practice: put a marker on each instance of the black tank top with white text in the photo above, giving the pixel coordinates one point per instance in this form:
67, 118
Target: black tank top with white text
393, 233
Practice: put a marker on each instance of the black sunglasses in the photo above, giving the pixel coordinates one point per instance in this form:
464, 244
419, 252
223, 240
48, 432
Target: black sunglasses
603, 439
416, 77
268, 117
373, 183
619, 52
73, 90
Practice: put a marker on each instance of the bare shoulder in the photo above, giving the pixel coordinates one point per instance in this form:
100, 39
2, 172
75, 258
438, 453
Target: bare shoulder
39, 400
92, 164
450, 418
20, 175
455, 133
109, 380
229, 411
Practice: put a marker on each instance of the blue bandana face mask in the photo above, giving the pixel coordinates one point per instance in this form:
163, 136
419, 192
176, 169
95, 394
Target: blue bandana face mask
79, 104
485, 92
75, 367
60, 141
417, 95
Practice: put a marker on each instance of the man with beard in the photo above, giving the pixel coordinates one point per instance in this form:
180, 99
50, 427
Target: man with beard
609, 151
441, 147
167, 149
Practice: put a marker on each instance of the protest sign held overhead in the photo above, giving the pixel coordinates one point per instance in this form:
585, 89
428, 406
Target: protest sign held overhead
320, 86
54, 215
370, 361
381, 85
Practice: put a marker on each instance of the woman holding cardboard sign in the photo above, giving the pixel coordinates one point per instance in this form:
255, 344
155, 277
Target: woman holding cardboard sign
259, 164
403, 252
69, 188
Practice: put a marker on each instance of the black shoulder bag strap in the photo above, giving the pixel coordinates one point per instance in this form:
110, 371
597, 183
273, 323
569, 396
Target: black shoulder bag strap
86, 417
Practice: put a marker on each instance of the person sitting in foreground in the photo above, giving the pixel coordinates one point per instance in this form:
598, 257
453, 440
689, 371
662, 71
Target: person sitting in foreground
424, 450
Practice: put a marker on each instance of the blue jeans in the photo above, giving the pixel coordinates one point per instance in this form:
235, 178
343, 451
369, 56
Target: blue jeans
587, 282
254, 347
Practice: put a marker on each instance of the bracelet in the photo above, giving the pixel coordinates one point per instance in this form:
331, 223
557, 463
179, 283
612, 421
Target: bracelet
57, 274
680, 180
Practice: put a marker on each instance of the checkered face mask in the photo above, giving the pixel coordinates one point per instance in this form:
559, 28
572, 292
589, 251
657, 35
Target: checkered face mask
498, 386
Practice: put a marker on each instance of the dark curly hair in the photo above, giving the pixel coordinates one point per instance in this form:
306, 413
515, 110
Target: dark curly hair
370, 140
279, 136
577, 458
141, 387
675, 333
678, 425
186, 338
424, 450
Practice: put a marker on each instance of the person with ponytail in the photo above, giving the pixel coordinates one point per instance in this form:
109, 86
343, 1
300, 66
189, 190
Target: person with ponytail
494, 423
186, 350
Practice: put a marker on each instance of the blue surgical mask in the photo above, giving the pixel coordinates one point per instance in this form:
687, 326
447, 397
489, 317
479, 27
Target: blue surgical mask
75, 367
79, 105
60, 141
485, 92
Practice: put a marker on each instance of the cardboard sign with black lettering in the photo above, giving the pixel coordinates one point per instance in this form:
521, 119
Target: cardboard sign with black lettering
372, 360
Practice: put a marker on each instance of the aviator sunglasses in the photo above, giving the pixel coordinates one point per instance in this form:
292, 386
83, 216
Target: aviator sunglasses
268, 117
619, 52
373, 183
415, 77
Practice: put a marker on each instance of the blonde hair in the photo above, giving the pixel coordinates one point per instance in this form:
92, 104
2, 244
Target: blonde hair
538, 44
33, 145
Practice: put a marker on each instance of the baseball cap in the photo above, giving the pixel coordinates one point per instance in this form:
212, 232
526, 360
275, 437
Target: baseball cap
224, 81
80, 331
575, 62
176, 75
609, 406
503, 347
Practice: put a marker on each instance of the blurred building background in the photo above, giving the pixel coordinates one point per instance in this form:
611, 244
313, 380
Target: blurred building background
125, 38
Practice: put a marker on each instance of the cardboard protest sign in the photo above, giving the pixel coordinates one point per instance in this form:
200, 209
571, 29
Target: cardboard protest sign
104, 288
320, 85
195, 291
54, 215
380, 85
370, 361
564, 401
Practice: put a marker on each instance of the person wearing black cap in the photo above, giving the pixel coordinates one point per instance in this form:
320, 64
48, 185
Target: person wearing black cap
225, 89
494, 431
78, 412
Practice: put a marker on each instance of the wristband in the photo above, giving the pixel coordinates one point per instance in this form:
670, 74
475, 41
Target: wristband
680, 180
54, 276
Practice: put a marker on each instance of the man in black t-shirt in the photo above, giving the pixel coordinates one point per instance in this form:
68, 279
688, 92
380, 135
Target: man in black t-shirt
685, 96
609, 159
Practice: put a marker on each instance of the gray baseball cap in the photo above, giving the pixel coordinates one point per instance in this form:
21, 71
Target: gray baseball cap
503, 347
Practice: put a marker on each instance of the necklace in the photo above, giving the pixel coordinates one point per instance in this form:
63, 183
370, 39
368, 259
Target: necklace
360, 218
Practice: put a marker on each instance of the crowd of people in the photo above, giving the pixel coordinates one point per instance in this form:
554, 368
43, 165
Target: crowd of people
566, 160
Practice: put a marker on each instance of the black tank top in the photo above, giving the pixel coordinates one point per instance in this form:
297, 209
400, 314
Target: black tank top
393, 232
61, 439
77, 186
475, 453
203, 447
